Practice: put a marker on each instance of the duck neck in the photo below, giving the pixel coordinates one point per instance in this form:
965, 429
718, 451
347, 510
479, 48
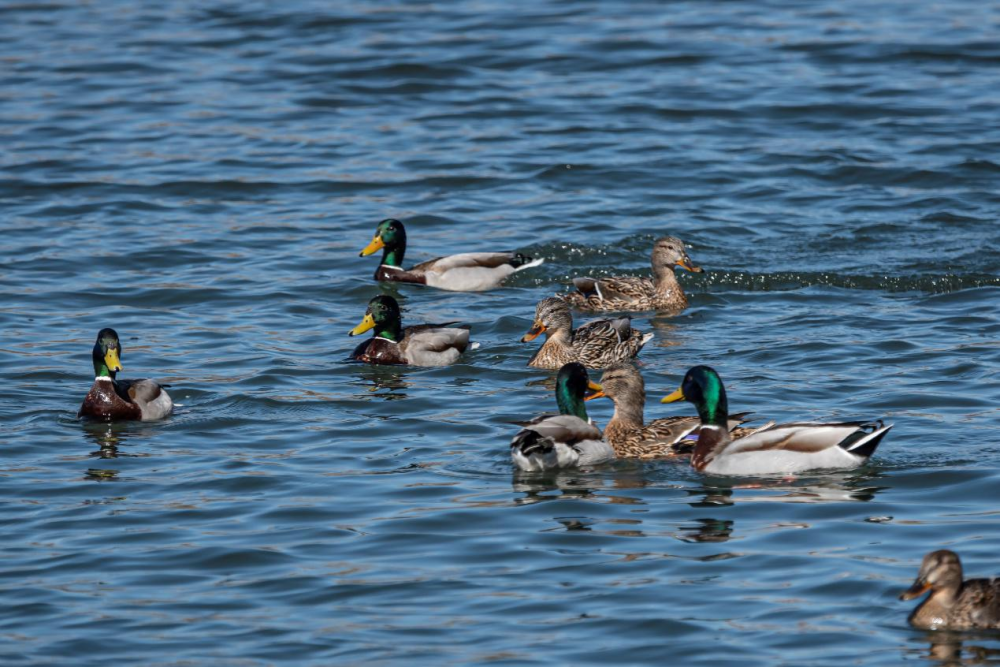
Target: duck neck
628, 414
101, 368
666, 280
392, 255
390, 330
570, 404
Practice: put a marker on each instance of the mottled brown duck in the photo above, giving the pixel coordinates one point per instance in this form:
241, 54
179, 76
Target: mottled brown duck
627, 431
596, 345
631, 294
953, 604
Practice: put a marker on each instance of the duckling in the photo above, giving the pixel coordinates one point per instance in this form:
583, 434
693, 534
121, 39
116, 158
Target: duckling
596, 344
623, 294
628, 433
121, 400
772, 449
566, 440
465, 272
953, 604
418, 345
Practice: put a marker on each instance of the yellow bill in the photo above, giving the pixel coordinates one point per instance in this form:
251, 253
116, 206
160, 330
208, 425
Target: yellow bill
376, 245
596, 388
111, 360
366, 324
685, 263
916, 590
537, 330
674, 397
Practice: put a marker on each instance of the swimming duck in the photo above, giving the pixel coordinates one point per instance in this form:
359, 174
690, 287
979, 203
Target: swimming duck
772, 449
953, 604
121, 400
418, 345
568, 439
465, 272
628, 293
597, 344
628, 433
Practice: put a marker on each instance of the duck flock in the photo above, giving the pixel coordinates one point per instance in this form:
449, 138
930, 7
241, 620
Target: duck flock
715, 441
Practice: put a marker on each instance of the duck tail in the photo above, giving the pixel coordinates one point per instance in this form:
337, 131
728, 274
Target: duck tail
521, 262
863, 442
528, 443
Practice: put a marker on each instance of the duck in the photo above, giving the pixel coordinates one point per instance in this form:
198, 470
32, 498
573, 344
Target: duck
566, 440
627, 432
953, 604
417, 345
465, 272
630, 293
596, 345
773, 448
110, 399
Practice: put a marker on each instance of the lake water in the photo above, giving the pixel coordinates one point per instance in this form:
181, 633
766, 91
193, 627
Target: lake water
201, 177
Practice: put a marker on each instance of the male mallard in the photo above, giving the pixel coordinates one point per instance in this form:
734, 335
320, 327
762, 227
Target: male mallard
418, 345
565, 440
628, 293
119, 400
953, 604
597, 344
773, 449
628, 433
466, 272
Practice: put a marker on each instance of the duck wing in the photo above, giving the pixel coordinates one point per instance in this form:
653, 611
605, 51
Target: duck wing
434, 345
550, 442
787, 448
150, 396
601, 343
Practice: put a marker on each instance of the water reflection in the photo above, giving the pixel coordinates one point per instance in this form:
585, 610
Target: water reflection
952, 649
109, 438
707, 530
846, 487
390, 380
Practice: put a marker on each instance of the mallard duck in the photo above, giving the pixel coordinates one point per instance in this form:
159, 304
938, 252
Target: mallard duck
630, 435
465, 272
773, 449
565, 440
418, 345
121, 400
597, 344
622, 294
953, 604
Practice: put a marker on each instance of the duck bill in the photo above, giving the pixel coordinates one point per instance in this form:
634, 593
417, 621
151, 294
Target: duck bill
534, 332
376, 245
367, 324
596, 388
674, 397
916, 590
685, 263
111, 360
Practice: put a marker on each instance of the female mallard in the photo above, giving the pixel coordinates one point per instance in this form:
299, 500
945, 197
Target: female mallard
953, 604
628, 293
597, 344
630, 435
120, 400
565, 440
773, 449
418, 345
466, 272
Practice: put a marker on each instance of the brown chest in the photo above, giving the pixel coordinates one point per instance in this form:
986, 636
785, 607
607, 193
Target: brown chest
379, 351
103, 403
